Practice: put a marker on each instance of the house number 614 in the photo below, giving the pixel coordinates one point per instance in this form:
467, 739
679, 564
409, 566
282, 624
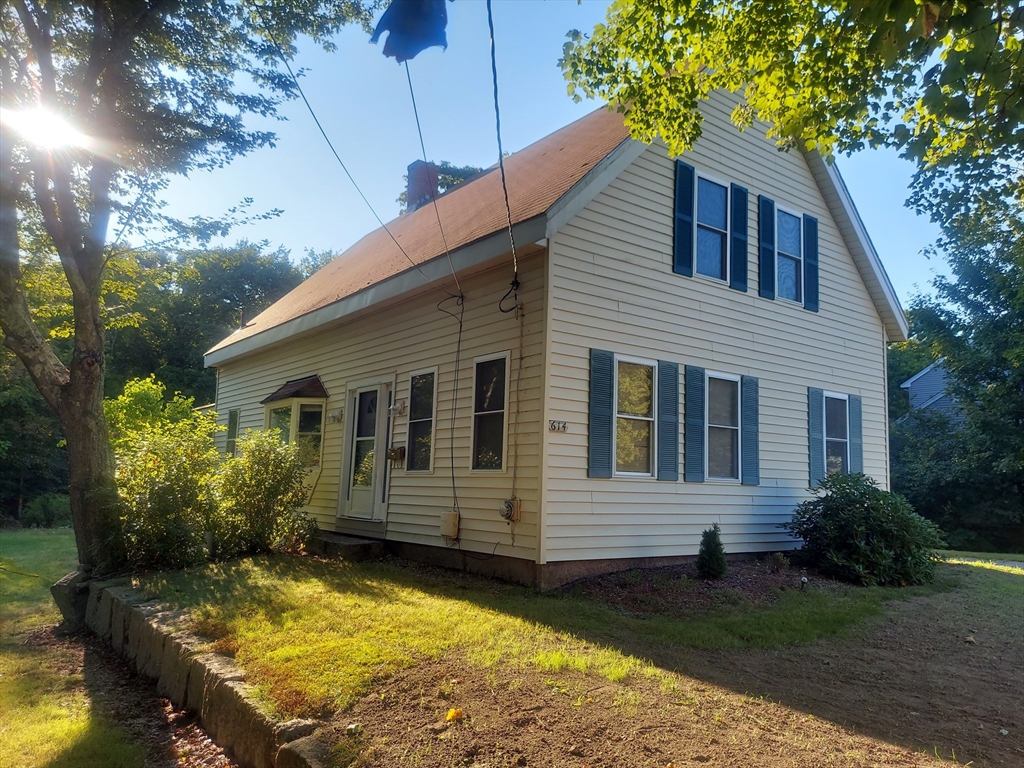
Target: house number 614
558, 426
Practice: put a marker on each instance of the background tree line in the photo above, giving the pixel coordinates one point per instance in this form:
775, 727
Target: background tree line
165, 309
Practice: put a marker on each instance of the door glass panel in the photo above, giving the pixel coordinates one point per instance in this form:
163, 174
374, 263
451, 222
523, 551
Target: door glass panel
366, 418
362, 466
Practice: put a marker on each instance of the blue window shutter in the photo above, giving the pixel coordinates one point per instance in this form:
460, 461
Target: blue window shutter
856, 435
693, 461
682, 250
816, 434
602, 412
738, 238
668, 420
766, 246
810, 263
750, 457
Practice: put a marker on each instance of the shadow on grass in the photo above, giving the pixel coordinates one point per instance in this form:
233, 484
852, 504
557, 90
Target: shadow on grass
908, 677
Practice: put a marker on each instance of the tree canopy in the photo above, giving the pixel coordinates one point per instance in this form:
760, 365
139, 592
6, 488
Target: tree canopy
101, 103
940, 80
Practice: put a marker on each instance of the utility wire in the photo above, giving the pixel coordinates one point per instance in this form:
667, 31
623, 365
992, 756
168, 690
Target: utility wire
295, 80
501, 158
433, 191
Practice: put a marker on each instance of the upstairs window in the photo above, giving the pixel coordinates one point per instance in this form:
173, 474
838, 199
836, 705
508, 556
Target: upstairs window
790, 257
712, 229
490, 404
422, 396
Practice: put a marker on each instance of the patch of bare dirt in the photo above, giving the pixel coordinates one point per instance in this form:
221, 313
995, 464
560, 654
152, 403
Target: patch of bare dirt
937, 679
170, 737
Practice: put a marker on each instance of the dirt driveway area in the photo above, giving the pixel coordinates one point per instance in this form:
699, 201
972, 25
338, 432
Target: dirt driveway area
936, 680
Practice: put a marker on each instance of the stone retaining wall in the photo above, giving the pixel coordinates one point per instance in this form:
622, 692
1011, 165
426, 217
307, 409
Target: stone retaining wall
149, 635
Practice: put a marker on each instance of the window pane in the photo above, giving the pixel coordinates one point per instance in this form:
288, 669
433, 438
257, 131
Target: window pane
789, 234
723, 452
488, 442
309, 449
310, 418
421, 397
420, 436
723, 402
835, 418
835, 457
633, 445
281, 418
490, 386
636, 389
711, 203
789, 278
362, 465
366, 418
711, 253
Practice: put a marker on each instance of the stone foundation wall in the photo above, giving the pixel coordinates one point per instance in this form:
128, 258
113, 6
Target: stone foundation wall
151, 638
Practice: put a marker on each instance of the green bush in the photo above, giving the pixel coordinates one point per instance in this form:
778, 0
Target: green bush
711, 558
857, 532
51, 510
164, 483
261, 496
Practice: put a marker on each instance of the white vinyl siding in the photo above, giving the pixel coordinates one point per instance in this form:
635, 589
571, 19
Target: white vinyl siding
393, 342
612, 287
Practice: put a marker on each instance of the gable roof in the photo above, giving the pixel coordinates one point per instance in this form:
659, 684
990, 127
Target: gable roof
538, 177
549, 182
906, 384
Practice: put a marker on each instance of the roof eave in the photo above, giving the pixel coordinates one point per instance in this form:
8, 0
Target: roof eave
854, 233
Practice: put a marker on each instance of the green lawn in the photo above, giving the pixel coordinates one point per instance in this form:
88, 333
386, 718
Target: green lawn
48, 718
1011, 557
287, 620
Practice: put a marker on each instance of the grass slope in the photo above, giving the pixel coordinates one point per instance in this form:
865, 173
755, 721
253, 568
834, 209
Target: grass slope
48, 719
288, 621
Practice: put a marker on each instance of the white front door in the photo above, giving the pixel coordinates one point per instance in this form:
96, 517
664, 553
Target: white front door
366, 473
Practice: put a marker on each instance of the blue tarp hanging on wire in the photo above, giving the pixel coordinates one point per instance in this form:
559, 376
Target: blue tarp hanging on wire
412, 26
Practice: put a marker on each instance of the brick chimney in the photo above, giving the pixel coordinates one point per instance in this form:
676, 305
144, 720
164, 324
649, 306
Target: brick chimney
422, 185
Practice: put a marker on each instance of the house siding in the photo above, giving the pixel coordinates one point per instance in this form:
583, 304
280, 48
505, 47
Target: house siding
611, 286
396, 341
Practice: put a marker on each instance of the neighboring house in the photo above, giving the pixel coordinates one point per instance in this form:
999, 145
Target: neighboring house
927, 391
698, 341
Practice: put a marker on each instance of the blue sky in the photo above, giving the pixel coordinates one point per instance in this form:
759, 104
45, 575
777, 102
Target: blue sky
362, 100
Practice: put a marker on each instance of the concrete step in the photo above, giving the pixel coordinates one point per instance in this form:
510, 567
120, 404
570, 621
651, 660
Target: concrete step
351, 548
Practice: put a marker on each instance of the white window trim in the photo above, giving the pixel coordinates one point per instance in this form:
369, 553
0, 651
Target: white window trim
708, 375
295, 403
653, 364
778, 254
433, 422
728, 224
472, 411
824, 427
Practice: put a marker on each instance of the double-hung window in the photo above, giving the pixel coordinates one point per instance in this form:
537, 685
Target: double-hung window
635, 410
723, 427
232, 436
712, 229
422, 399
490, 406
837, 434
790, 257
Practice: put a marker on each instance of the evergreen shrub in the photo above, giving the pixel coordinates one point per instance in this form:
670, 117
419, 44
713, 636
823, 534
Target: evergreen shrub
857, 532
711, 558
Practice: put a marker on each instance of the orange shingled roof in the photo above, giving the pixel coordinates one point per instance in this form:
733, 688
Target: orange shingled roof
537, 177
